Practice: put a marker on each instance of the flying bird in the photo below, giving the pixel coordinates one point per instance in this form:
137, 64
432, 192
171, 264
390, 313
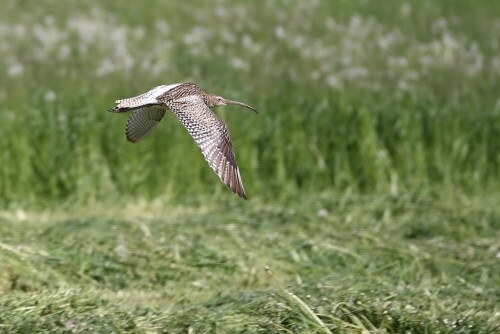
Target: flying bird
192, 107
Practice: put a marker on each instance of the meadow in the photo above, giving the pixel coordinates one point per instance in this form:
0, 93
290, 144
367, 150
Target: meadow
372, 168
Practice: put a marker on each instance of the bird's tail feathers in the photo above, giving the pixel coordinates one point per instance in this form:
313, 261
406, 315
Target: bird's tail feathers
118, 109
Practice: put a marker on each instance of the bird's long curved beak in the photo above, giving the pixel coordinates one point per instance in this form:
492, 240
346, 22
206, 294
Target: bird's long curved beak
240, 104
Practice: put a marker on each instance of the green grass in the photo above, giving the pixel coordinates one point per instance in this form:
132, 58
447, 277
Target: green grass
351, 95
336, 262
372, 169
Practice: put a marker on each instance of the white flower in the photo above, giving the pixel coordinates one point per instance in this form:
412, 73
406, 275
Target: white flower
352, 73
240, 64
334, 82
49, 96
322, 213
400, 62
279, 32
330, 23
161, 26
405, 9
15, 69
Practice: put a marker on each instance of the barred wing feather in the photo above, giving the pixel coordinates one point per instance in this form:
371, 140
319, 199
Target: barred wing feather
212, 136
142, 122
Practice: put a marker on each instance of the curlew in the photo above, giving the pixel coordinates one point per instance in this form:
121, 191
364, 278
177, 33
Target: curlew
192, 107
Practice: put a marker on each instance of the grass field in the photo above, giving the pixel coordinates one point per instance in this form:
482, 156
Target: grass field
394, 264
372, 169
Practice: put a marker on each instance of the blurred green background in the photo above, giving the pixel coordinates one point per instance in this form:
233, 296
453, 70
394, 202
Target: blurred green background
352, 94
372, 169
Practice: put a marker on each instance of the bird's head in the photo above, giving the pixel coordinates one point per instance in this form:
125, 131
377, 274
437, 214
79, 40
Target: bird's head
215, 101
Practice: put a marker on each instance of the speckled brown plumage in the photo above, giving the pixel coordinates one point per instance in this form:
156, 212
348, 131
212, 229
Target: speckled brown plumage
142, 122
192, 108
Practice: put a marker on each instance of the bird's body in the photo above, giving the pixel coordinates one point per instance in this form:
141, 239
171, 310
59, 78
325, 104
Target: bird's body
192, 107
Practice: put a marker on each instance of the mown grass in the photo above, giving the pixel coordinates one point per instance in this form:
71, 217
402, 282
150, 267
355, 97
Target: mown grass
372, 168
336, 262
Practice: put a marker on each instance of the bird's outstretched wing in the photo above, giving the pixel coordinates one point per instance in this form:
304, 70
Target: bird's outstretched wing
142, 122
212, 136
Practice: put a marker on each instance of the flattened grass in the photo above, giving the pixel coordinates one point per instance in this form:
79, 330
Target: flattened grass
336, 262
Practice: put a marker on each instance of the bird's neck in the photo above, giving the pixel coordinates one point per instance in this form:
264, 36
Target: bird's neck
209, 100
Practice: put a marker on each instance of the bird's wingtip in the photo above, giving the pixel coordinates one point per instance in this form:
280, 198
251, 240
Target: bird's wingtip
240, 191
